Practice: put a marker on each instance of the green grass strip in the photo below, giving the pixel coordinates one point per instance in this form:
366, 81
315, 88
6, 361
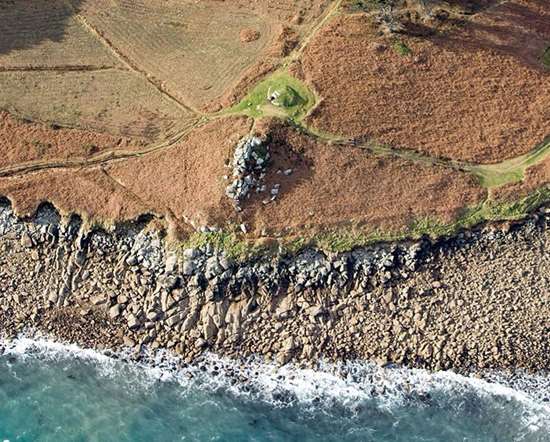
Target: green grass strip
546, 57
401, 48
510, 171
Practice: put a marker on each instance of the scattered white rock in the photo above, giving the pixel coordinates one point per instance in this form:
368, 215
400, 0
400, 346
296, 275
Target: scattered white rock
249, 162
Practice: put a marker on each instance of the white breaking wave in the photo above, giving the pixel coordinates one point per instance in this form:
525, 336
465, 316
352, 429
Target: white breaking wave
347, 385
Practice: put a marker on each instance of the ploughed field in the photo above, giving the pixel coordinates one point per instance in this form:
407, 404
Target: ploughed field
379, 118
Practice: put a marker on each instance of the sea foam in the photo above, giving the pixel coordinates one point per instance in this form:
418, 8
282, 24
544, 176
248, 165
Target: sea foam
348, 386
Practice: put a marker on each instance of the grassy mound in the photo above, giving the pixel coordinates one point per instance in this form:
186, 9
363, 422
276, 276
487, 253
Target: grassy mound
280, 95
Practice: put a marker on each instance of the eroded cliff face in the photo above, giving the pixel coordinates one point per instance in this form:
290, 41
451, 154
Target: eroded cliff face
478, 300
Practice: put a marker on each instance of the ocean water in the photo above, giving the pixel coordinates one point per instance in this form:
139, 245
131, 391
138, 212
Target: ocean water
53, 392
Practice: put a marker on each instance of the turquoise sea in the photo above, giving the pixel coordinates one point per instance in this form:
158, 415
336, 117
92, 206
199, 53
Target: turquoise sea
53, 392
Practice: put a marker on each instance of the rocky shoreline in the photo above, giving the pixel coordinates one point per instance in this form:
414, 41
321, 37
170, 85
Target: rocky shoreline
479, 300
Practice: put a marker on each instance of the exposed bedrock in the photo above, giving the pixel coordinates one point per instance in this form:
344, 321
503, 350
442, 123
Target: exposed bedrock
478, 300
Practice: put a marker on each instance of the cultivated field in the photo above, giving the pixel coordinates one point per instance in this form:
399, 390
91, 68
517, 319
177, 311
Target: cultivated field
110, 101
195, 49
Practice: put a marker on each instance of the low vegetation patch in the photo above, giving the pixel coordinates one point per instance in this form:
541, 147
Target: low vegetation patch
229, 241
401, 48
339, 240
546, 58
518, 209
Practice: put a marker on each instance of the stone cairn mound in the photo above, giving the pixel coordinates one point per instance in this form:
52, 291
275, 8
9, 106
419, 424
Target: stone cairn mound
249, 166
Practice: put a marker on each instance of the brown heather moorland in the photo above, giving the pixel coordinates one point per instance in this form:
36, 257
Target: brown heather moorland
477, 92
333, 186
111, 112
